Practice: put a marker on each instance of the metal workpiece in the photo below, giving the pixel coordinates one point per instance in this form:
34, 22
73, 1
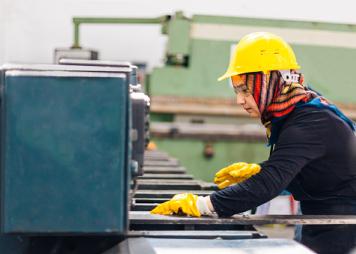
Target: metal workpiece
167, 193
198, 234
156, 157
143, 206
150, 200
164, 170
156, 153
147, 218
208, 246
167, 163
143, 220
168, 184
166, 176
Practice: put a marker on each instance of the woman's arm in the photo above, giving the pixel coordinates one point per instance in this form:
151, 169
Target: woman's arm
297, 146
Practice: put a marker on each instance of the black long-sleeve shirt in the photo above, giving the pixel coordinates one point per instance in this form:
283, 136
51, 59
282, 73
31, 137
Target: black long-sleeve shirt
314, 158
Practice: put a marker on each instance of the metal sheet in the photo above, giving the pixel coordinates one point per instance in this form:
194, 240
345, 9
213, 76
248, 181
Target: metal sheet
156, 153
253, 246
147, 218
201, 234
149, 200
208, 246
172, 163
166, 176
156, 158
168, 184
166, 193
162, 185
164, 170
143, 206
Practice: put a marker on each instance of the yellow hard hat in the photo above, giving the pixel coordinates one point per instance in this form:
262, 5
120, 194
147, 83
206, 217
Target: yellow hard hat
261, 51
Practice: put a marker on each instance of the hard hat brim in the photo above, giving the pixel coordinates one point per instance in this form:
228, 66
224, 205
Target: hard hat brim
227, 75
230, 74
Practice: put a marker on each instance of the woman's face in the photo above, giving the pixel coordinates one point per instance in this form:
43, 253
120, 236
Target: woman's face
244, 96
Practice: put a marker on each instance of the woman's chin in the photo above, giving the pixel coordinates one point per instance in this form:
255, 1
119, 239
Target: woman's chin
253, 114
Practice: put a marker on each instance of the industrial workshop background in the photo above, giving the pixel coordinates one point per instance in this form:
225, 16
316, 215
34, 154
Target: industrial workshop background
180, 48
32, 30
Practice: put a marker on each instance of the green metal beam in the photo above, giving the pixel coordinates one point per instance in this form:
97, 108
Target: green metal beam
77, 21
280, 23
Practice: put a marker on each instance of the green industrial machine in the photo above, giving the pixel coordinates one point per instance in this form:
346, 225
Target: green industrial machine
64, 130
65, 155
187, 100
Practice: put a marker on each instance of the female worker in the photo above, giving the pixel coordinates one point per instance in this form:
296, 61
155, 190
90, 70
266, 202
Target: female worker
313, 147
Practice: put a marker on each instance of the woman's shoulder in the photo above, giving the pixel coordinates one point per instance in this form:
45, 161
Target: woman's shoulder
309, 121
317, 121
314, 115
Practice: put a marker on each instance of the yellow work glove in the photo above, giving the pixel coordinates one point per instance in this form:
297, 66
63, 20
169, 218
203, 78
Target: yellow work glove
235, 173
185, 203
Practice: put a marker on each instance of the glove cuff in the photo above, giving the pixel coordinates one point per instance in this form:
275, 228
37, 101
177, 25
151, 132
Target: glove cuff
202, 205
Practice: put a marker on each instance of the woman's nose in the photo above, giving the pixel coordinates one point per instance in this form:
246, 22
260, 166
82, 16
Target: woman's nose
240, 99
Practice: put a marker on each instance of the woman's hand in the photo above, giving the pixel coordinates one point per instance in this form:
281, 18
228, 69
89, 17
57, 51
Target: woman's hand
186, 203
235, 173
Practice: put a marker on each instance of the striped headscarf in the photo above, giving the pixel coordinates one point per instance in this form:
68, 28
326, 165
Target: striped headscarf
275, 97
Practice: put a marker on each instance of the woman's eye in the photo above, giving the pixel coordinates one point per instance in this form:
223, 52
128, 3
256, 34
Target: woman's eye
241, 89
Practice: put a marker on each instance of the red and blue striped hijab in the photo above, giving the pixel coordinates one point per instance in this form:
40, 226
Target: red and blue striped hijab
276, 98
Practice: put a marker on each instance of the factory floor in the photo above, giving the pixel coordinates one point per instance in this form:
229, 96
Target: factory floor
277, 231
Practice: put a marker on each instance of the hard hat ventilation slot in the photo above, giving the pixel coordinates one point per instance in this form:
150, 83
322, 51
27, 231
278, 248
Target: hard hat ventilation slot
289, 77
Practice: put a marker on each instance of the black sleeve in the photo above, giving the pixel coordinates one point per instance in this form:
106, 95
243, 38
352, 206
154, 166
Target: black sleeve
297, 145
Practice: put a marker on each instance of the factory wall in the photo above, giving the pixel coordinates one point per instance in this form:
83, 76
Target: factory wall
30, 30
2, 29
